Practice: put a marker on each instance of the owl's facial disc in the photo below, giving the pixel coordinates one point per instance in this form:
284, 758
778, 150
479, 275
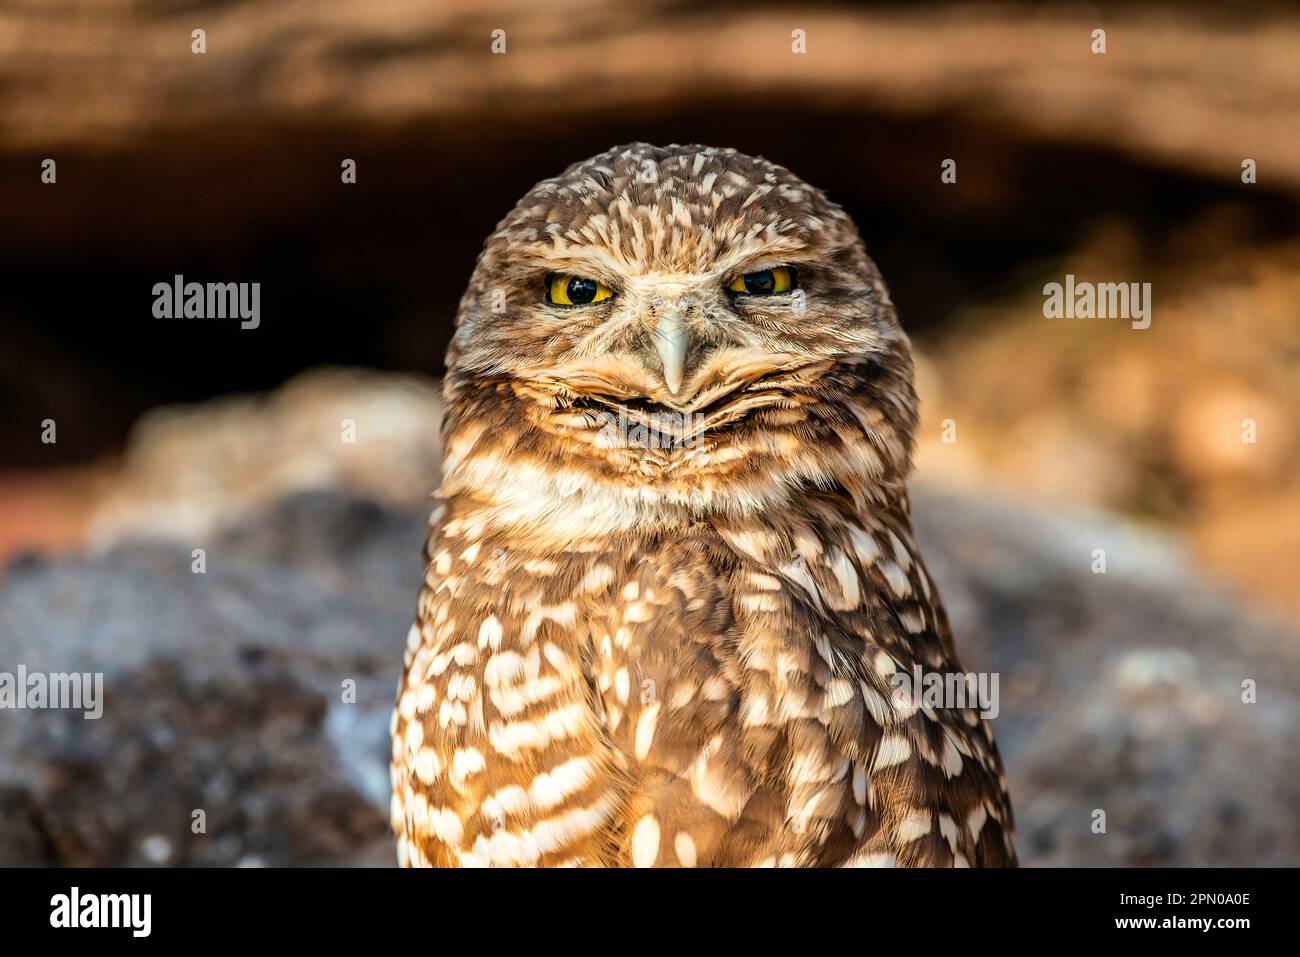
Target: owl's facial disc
678, 324
669, 340
676, 379
674, 354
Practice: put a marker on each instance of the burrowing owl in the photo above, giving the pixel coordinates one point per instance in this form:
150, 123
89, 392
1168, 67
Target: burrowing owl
671, 568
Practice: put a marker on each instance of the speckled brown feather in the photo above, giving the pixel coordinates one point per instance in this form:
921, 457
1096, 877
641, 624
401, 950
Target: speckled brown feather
681, 654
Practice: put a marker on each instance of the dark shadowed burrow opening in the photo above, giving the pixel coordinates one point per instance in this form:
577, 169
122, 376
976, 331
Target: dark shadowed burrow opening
369, 274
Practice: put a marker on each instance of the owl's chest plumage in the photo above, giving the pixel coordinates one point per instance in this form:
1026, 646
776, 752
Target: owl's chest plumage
711, 694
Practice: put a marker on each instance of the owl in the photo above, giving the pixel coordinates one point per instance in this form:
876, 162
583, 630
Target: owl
672, 582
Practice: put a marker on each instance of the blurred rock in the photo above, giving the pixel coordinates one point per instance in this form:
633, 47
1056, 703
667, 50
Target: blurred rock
224, 691
189, 470
1184, 422
1122, 692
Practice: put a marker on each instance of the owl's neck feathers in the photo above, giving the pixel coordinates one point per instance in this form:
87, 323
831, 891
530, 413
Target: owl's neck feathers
858, 448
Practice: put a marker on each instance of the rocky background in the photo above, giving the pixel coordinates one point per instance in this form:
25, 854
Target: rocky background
1120, 692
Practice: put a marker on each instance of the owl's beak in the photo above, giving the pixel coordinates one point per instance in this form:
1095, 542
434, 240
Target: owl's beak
671, 342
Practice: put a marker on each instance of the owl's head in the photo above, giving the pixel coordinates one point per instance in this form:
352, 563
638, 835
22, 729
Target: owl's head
661, 332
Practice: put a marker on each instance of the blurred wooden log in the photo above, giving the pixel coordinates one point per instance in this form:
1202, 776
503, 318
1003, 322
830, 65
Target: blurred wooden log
1180, 86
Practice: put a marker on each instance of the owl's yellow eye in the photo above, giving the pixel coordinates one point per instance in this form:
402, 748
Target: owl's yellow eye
564, 290
765, 282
